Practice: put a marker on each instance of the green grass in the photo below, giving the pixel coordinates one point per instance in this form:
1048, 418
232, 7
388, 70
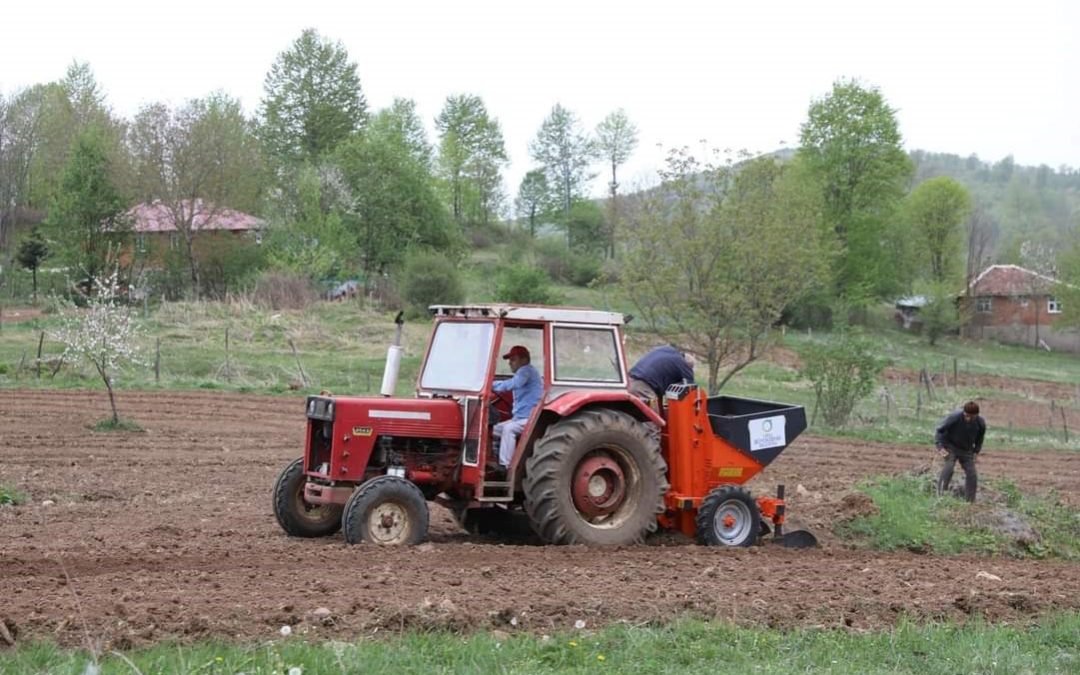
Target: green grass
9, 496
684, 647
108, 424
910, 515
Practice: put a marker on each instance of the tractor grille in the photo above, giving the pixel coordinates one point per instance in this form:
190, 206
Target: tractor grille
320, 442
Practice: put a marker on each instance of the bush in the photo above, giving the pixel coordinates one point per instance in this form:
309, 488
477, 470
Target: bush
429, 278
524, 284
561, 264
283, 290
843, 371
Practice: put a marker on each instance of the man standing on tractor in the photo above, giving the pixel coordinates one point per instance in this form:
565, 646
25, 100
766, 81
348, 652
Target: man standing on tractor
662, 367
960, 437
527, 387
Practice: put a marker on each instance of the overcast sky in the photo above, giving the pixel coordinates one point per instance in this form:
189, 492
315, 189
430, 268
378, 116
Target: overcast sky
991, 77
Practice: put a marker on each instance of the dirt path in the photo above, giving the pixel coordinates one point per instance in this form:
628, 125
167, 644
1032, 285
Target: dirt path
170, 534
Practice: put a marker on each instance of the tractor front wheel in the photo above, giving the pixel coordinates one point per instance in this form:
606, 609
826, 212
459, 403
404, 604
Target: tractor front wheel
597, 478
388, 511
297, 517
728, 516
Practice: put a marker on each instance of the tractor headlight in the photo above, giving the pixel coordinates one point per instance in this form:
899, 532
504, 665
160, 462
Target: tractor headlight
319, 408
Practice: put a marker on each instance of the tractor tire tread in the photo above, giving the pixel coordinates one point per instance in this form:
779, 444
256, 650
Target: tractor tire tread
544, 477
284, 506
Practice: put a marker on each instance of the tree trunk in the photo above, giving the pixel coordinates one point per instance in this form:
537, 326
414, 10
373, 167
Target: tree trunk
33, 273
112, 396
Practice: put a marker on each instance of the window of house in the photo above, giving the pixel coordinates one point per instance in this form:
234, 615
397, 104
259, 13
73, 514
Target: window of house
984, 305
140, 242
174, 240
1053, 305
1023, 299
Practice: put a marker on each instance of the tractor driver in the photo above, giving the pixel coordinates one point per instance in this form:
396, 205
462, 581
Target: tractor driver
527, 387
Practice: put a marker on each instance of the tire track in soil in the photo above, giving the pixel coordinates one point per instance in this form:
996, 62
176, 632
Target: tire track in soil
170, 534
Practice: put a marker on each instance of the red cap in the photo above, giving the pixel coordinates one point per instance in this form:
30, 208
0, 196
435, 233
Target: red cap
516, 350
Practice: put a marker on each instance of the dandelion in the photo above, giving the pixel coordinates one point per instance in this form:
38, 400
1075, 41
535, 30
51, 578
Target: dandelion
286, 630
579, 624
296, 670
600, 657
573, 644
219, 659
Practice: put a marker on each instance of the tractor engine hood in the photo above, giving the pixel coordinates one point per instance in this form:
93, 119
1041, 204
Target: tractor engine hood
358, 422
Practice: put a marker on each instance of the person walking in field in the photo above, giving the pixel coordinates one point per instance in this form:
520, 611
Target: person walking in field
959, 437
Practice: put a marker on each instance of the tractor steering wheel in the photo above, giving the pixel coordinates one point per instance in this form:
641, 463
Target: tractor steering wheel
500, 407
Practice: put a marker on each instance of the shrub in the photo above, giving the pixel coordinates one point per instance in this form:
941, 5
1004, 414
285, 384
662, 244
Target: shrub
561, 264
429, 278
283, 290
524, 284
843, 371
9, 496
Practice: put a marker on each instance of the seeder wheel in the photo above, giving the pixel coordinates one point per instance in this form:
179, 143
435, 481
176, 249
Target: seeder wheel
728, 516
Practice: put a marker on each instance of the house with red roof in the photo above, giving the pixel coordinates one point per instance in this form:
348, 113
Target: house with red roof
1012, 304
155, 228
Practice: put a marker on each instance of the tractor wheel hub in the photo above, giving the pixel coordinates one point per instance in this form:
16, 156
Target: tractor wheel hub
599, 486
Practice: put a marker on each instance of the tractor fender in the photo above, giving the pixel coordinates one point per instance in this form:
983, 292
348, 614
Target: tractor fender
572, 401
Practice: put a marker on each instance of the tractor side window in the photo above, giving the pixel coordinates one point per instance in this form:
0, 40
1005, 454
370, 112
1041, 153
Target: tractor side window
586, 355
531, 338
458, 359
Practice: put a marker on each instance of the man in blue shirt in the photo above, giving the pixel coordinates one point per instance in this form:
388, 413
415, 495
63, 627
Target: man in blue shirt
662, 367
527, 387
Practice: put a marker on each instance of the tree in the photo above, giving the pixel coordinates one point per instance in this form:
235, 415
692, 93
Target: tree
471, 157
312, 100
105, 334
616, 138
31, 252
1041, 259
936, 210
852, 142
563, 152
533, 201
400, 124
392, 206
197, 160
843, 372
85, 221
710, 260
310, 236
1069, 291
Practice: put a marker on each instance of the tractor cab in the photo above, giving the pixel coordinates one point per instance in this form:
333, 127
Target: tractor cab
573, 350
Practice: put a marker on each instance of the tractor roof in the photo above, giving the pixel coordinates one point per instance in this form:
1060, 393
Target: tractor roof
529, 313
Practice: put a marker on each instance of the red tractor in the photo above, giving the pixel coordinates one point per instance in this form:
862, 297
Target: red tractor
594, 465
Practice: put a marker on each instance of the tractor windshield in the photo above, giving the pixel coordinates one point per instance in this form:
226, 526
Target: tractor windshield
459, 356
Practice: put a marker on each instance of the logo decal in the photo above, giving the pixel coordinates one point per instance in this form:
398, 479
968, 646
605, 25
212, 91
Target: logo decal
362, 431
768, 432
730, 472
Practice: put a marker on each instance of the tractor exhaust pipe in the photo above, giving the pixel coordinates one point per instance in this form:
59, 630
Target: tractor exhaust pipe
393, 360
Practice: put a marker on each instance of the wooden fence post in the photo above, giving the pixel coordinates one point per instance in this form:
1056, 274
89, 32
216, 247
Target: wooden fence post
37, 363
157, 361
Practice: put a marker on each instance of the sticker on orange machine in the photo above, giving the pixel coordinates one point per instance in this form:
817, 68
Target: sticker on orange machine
768, 432
730, 472
362, 431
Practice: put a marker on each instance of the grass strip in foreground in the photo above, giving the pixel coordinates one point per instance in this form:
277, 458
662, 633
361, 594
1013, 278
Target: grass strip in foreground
684, 647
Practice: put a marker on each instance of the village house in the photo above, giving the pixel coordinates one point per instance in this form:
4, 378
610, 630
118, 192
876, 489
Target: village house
155, 231
1012, 304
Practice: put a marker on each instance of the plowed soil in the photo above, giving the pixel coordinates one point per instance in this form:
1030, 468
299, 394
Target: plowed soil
132, 538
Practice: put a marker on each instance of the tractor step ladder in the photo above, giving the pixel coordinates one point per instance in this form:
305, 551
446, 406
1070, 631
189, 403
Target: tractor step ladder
497, 491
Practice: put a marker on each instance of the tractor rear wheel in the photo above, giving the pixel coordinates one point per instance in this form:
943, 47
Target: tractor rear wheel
388, 511
728, 516
597, 478
297, 517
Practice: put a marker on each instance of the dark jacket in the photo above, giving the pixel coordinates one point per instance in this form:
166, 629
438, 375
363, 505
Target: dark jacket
956, 433
661, 368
